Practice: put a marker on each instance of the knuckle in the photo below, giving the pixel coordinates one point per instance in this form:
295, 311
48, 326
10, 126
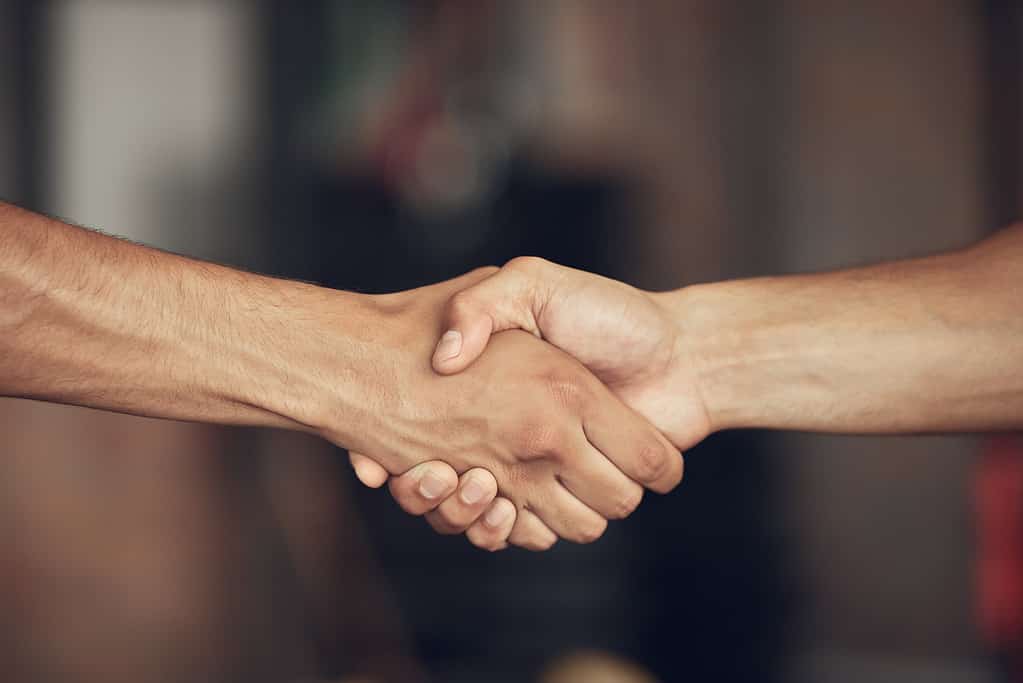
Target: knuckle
473, 536
477, 536
651, 461
486, 482
451, 519
590, 531
517, 478
673, 477
627, 502
525, 263
437, 524
463, 300
546, 543
677, 476
411, 508
491, 547
540, 440
406, 500
538, 544
484, 271
487, 543
531, 537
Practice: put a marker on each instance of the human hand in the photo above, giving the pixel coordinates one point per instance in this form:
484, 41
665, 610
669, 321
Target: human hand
564, 451
429, 489
622, 334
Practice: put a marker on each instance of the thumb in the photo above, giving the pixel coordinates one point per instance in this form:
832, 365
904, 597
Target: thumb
504, 301
368, 471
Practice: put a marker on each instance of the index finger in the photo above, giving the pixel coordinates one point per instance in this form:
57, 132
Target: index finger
633, 444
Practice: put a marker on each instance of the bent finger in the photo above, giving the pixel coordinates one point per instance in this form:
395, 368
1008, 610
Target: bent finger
632, 444
423, 487
598, 483
505, 300
477, 488
530, 532
368, 471
492, 529
567, 516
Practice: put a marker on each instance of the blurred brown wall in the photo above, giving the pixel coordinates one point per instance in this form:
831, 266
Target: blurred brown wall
126, 552
887, 146
876, 108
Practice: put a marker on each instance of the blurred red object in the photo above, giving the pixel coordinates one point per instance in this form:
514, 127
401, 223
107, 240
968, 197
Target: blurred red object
998, 496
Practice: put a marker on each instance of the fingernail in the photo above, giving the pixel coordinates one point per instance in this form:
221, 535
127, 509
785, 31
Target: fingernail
496, 515
450, 345
472, 492
431, 486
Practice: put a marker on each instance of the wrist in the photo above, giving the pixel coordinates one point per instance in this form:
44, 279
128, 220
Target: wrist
714, 349
312, 355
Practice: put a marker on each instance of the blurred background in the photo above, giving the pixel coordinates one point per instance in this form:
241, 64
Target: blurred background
386, 144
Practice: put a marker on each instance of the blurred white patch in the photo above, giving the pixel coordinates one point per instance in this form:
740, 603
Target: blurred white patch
154, 110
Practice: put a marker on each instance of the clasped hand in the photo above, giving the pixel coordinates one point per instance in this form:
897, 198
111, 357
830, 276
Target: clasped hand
531, 440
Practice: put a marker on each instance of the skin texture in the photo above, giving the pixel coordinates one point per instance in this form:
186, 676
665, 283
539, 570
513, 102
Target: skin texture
620, 333
122, 327
916, 346
560, 420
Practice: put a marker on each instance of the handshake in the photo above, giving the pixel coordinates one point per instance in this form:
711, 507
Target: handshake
554, 398
523, 404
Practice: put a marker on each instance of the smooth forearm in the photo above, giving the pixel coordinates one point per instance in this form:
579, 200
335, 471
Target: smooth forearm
97, 321
926, 345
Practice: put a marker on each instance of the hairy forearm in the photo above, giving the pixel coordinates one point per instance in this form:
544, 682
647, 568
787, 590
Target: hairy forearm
97, 321
926, 345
